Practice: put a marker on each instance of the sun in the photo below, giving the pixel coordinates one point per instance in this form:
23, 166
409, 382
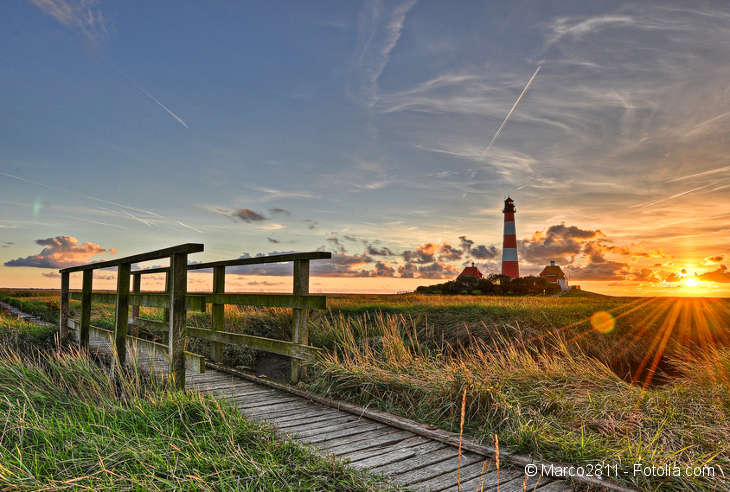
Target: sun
691, 282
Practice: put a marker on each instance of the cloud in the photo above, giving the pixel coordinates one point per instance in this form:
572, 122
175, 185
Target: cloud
558, 242
248, 215
606, 270
721, 275
449, 253
242, 214
483, 252
424, 254
279, 211
60, 252
7, 244
382, 270
577, 27
379, 29
82, 15
375, 251
51, 274
272, 240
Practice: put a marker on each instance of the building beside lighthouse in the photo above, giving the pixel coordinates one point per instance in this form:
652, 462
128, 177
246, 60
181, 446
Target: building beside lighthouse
554, 274
510, 265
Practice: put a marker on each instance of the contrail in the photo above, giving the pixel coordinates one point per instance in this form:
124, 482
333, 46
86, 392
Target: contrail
512, 110
148, 95
169, 111
703, 173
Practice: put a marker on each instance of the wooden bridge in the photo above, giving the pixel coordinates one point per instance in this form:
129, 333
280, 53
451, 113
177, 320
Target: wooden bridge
403, 451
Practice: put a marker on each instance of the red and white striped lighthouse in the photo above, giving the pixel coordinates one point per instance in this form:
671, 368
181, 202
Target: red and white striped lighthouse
510, 265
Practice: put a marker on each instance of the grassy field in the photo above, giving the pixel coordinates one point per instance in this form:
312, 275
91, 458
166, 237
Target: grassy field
576, 379
66, 424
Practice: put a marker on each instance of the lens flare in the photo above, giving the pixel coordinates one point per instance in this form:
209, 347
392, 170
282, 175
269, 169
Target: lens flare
603, 322
691, 282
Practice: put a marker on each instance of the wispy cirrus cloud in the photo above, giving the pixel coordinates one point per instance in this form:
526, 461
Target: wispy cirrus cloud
379, 28
84, 16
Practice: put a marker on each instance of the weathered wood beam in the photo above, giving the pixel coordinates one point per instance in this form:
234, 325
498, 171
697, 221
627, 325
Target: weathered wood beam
267, 300
86, 286
300, 317
178, 292
281, 347
218, 311
121, 312
194, 302
63, 315
136, 288
151, 325
314, 255
152, 255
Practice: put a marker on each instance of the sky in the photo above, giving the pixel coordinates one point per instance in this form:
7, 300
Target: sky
388, 133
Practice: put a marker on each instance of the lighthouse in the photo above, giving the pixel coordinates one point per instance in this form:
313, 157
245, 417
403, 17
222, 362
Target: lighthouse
510, 266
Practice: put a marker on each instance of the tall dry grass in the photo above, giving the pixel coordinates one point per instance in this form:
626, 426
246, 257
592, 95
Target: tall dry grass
548, 398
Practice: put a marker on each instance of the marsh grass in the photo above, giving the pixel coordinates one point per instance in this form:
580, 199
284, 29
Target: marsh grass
550, 398
66, 423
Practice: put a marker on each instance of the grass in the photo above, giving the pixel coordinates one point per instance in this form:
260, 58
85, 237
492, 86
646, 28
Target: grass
67, 423
648, 382
548, 398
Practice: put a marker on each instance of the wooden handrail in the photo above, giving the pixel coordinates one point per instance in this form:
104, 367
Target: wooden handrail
152, 255
257, 260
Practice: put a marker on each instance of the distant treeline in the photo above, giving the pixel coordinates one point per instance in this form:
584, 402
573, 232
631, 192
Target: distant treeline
493, 285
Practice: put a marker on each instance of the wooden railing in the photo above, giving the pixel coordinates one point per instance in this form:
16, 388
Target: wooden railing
175, 301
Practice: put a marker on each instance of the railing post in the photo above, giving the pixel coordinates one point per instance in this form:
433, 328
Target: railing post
178, 280
166, 311
88, 276
218, 312
300, 316
121, 322
63, 315
136, 288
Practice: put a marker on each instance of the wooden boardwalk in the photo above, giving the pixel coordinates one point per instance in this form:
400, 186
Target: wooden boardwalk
417, 462
402, 457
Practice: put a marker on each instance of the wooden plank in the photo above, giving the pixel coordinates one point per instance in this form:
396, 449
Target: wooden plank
267, 401
314, 255
63, 314
121, 313
152, 255
300, 317
350, 444
378, 449
281, 347
88, 278
391, 456
423, 471
268, 300
313, 413
447, 480
448, 455
487, 480
178, 313
335, 427
136, 289
308, 423
348, 431
314, 418
218, 312
192, 302
220, 387
274, 409
322, 425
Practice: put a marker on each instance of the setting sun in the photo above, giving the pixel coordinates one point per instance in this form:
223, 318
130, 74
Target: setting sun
691, 282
